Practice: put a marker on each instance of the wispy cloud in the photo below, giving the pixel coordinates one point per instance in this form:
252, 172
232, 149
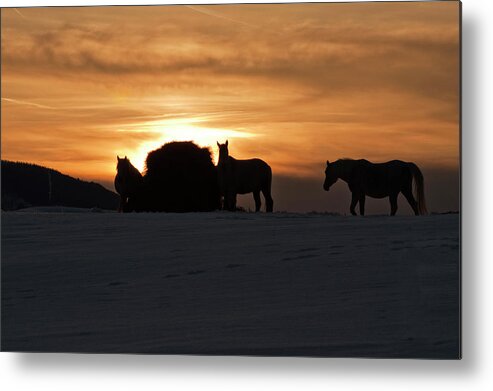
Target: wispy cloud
19, 13
26, 103
208, 11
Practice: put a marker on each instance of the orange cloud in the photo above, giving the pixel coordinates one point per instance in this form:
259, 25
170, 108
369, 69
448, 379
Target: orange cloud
304, 82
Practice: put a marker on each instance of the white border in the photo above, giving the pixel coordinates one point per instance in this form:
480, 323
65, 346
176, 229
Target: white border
474, 372
34, 3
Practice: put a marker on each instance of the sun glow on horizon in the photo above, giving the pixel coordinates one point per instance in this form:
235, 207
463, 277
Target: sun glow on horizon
178, 130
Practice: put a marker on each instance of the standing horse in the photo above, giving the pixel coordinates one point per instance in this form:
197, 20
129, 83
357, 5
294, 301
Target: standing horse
242, 177
128, 183
378, 181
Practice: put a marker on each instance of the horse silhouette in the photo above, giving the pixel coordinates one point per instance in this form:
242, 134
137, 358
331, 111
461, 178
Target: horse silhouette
181, 177
378, 180
242, 177
128, 184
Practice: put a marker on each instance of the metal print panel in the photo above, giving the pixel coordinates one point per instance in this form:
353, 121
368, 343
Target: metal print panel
255, 179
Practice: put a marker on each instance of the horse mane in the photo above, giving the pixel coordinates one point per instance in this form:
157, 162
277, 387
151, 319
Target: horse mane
133, 169
129, 167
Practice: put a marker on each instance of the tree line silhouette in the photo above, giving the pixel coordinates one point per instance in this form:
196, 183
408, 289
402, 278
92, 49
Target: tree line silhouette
25, 185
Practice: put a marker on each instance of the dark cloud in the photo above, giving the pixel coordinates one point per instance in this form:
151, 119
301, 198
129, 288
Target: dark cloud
358, 56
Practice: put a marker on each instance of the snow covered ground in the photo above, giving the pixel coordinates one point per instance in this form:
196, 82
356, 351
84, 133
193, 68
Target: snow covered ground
226, 283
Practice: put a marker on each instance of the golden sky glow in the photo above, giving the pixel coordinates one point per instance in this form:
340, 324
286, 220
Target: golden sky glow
293, 84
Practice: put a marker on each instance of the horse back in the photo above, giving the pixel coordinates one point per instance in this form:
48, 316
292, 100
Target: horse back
248, 175
381, 179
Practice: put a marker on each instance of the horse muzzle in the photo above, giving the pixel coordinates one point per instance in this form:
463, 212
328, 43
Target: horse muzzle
326, 187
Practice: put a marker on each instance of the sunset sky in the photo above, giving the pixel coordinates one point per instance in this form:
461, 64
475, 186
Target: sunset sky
292, 84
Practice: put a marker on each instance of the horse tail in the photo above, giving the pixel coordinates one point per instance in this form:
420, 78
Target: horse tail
419, 188
268, 191
269, 177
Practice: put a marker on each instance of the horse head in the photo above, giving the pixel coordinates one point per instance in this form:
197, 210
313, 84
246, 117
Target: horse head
122, 164
223, 151
330, 177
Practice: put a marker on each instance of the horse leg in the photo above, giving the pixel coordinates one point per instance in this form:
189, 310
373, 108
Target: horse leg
258, 201
408, 193
226, 202
131, 204
393, 204
231, 201
362, 204
120, 205
269, 202
354, 201
123, 204
126, 206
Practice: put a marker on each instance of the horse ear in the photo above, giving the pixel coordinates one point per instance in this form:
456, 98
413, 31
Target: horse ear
117, 158
328, 163
219, 145
226, 142
126, 157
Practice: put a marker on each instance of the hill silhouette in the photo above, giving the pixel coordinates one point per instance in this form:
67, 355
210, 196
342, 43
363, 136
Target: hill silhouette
25, 184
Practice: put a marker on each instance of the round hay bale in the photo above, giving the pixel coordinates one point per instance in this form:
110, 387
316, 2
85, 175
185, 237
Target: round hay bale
181, 177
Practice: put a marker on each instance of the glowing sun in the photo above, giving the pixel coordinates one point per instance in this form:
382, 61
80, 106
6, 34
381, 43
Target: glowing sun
180, 130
